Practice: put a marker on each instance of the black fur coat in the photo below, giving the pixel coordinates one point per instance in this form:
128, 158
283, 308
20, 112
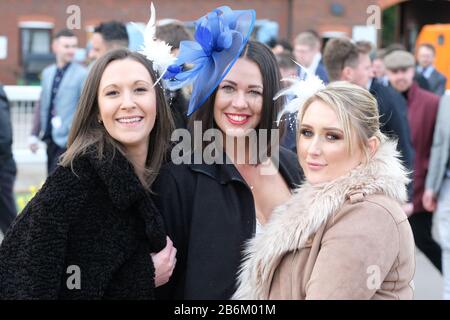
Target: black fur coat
87, 235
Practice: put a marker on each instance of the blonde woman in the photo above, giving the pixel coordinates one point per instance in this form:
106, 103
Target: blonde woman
343, 235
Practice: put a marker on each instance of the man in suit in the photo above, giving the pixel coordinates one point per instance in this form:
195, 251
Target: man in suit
7, 166
307, 53
422, 112
348, 61
62, 84
425, 58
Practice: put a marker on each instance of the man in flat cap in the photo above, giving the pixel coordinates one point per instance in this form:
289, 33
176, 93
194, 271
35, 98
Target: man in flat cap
422, 111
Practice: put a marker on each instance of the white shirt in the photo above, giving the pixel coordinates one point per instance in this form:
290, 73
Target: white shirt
428, 71
448, 173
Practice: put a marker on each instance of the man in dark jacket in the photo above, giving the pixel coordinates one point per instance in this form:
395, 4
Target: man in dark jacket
422, 112
345, 60
425, 58
7, 166
390, 102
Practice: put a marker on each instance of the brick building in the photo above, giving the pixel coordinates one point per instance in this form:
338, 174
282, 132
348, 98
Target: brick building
26, 26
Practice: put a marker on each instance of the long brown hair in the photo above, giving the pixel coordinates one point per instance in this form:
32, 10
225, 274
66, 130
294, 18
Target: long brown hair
87, 132
260, 54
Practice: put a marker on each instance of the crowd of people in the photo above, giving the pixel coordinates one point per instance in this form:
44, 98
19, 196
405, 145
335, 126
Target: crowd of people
352, 159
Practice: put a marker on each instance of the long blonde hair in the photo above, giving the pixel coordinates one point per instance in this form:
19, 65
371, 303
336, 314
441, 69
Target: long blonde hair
356, 109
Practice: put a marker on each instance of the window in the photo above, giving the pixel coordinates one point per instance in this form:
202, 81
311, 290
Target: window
35, 38
35, 49
35, 41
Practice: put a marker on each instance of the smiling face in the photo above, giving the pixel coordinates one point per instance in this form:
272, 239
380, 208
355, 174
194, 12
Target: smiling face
239, 99
127, 103
322, 146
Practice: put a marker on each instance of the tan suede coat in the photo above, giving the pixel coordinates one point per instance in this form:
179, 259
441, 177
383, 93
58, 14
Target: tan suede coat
347, 239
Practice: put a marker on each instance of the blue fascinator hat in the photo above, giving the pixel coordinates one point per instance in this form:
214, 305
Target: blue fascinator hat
220, 36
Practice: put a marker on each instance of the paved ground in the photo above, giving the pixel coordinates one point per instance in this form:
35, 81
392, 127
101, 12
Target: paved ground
427, 280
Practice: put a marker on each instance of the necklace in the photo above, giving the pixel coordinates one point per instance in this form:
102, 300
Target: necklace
246, 175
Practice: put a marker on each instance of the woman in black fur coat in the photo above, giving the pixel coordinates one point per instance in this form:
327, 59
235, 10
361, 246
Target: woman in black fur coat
92, 231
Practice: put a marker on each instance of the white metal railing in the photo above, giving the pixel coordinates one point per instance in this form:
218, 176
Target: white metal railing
23, 100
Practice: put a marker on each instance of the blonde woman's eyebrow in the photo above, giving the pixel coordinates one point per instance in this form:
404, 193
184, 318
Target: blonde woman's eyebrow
307, 126
333, 129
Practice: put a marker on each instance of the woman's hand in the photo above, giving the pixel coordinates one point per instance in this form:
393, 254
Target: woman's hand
429, 200
164, 262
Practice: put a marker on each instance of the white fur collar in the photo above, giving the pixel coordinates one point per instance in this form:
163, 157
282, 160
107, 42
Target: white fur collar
309, 208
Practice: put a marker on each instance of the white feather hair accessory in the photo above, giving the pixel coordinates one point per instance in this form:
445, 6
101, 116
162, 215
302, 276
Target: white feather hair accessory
298, 92
156, 50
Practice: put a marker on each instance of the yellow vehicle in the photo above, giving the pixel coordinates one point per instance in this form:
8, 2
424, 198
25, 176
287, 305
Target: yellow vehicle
439, 36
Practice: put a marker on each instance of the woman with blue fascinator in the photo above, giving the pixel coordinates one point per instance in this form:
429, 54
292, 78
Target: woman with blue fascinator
213, 206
